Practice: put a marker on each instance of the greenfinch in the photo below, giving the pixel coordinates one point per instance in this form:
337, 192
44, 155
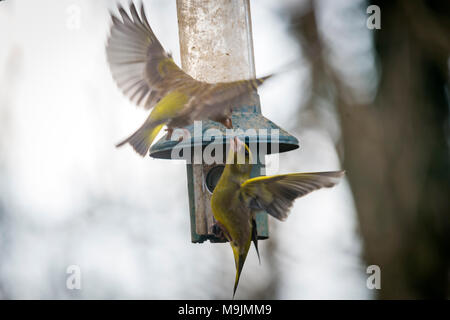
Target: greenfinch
237, 197
148, 76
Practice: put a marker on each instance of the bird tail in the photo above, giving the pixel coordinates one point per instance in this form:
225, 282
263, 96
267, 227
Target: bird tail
239, 265
255, 238
142, 139
240, 254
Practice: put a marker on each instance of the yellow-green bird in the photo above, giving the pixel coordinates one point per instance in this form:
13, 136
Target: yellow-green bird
147, 74
237, 197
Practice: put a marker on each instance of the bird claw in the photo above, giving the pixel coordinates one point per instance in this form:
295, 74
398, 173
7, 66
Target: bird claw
186, 134
219, 231
169, 133
228, 123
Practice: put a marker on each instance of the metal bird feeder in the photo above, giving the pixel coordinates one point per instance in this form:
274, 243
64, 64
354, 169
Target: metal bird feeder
216, 45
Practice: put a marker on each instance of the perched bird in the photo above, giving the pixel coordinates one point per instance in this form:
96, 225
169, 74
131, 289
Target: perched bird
237, 197
147, 74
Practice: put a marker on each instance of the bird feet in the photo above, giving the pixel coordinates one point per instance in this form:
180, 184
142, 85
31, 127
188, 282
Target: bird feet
186, 134
227, 123
169, 133
220, 232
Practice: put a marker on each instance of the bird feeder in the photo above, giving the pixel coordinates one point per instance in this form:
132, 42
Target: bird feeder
216, 45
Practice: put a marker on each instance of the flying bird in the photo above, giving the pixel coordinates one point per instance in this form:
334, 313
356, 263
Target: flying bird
150, 78
237, 197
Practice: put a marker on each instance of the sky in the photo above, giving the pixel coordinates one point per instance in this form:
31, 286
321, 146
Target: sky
69, 197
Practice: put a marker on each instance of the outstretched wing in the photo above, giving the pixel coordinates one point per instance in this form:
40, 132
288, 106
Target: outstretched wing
218, 98
276, 194
139, 65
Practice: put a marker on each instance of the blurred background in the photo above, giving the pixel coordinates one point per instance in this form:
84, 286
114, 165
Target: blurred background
374, 102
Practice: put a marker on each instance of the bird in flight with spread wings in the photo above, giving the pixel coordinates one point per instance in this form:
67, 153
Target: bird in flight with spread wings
237, 198
148, 75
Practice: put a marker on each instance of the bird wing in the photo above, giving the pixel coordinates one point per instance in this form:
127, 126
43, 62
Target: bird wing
141, 67
276, 194
219, 97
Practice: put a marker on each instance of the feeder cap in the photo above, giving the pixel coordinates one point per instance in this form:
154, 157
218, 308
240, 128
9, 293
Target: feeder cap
247, 119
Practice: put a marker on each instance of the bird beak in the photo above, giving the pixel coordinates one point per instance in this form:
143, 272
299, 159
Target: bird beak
237, 144
232, 145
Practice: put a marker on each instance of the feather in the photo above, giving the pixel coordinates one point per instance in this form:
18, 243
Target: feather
255, 238
142, 139
135, 56
276, 194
